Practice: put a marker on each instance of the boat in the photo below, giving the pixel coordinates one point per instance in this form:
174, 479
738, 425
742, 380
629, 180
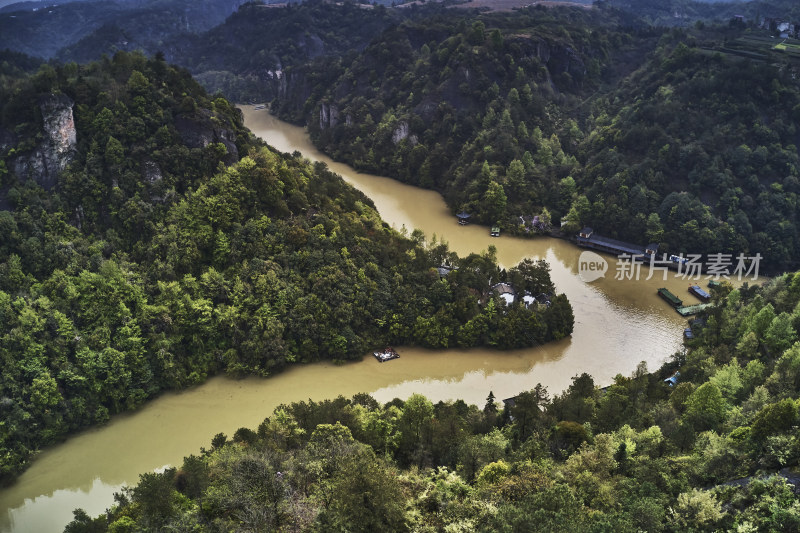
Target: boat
495, 232
689, 310
386, 354
678, 260
673, 300
259, 107
700, 293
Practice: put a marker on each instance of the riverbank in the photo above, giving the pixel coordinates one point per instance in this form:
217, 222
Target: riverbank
618, 324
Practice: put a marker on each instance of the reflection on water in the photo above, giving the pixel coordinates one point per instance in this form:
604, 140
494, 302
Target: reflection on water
618, 324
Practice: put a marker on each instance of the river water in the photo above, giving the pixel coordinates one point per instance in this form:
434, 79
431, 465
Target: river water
617, 325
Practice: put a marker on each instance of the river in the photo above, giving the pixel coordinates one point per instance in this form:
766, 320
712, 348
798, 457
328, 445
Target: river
617, 325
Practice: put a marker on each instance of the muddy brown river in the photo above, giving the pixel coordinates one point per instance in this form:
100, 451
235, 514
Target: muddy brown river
617, 325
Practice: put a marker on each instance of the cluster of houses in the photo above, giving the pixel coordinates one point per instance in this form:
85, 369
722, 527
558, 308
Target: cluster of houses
509, 295
785, 29
507, 292
529, 223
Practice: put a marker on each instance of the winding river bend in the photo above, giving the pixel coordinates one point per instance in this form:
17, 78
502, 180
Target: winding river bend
617, 325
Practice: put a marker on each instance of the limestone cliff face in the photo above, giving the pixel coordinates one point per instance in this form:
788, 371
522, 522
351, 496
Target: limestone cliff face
328, 116
558, 57
199, 131
56, 150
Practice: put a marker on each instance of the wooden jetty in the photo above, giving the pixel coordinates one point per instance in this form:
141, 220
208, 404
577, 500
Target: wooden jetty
386, 354
673, 300
587, 238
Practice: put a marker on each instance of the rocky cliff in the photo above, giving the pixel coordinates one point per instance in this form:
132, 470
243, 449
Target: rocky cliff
57, 148
202, 129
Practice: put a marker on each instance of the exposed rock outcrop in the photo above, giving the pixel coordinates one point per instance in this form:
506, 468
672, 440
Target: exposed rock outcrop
402, 132
56, 150
328, 116
200, 131
151, 172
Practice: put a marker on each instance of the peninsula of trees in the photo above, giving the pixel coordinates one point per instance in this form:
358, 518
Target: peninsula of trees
173, 245
716, 452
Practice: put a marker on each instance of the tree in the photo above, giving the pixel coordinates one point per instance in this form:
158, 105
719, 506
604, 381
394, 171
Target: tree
491, 405
154, 495
705, 407
415, 429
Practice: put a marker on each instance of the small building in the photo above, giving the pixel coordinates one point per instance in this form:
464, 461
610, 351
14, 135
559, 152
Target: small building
673, 379
651, 249
463, 218
444, 270
506, 292
586, 233
528, 299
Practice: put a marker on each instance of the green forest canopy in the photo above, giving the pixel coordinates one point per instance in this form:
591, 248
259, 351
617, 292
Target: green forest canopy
717, 452
176, 246
678, 136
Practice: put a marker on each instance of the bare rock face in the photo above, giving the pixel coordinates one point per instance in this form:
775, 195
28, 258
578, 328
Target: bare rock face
199, 131
401, 132
151, 172
328, 116
57, 150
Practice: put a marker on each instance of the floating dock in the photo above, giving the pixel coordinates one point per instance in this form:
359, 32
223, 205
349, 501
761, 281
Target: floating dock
689, 310
673, 300
386, 355
700, 293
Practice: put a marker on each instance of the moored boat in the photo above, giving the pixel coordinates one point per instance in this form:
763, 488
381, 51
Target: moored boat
386, 354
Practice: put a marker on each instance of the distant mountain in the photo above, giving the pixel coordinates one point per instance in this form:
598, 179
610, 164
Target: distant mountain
245, 57
684, 13
9, 6
134, 22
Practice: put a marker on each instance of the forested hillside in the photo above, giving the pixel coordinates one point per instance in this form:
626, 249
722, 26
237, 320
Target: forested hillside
247, 56
717, 452
119, 25
684, 137
148, 241
699, 150
688, 13
477, 107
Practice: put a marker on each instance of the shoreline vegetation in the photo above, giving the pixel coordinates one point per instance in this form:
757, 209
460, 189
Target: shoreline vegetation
713, 446
175, 246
